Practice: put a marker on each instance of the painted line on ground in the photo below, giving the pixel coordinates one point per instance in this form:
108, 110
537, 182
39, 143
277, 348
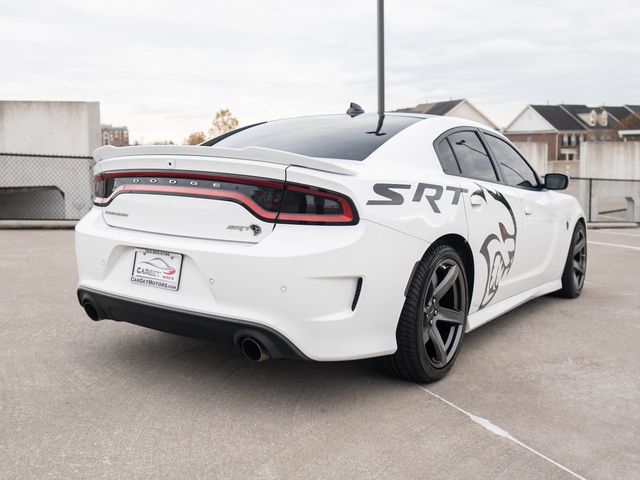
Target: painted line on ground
486, 424
613, 245
607, 232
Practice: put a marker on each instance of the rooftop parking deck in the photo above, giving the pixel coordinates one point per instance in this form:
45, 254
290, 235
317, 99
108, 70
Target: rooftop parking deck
550, 390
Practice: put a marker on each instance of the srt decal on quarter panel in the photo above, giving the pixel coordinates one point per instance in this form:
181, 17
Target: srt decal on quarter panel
432, 193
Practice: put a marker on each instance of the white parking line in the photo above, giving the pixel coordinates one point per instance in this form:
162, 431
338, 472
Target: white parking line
609, 232
614, 245
484, 423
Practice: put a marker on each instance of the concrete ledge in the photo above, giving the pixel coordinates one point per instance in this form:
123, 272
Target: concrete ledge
599, 225
43, 224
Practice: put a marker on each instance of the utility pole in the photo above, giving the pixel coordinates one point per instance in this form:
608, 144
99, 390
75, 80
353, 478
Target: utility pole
380, 57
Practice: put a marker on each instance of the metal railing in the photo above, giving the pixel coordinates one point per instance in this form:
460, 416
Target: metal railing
55, 187
607, 199
45, 187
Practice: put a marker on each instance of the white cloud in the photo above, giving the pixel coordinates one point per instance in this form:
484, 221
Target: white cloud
164, 68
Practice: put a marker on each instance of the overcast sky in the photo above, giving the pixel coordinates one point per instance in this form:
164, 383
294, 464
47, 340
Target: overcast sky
163, 68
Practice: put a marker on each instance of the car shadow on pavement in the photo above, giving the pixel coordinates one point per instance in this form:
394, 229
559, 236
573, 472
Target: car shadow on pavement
165, 362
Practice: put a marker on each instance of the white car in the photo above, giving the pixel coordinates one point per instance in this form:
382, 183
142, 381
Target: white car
331, 237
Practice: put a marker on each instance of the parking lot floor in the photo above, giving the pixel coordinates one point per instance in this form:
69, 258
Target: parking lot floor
550, 390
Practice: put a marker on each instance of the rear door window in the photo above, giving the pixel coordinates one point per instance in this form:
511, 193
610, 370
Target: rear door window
472, 157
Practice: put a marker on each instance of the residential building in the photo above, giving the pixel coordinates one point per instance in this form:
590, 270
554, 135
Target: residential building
461, 108
564, 127
116, 136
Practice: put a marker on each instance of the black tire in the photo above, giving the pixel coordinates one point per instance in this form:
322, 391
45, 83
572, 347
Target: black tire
427, 360
575, 267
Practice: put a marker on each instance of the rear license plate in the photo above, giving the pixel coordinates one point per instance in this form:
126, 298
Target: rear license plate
156, 268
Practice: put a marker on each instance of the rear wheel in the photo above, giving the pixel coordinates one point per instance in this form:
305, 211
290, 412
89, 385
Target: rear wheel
575, 268
433, 319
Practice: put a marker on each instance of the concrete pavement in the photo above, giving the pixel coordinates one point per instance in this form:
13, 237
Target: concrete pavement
550, 390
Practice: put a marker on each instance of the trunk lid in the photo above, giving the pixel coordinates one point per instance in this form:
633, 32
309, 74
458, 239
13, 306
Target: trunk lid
193, 196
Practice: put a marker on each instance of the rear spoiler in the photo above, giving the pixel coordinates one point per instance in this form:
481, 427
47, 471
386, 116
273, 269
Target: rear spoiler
258, 154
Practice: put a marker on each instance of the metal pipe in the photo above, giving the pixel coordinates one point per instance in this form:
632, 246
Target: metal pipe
380, 57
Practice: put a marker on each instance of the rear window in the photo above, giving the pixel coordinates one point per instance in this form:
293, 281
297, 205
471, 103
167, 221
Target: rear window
329, 136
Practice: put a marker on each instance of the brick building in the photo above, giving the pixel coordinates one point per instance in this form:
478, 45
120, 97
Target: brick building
564, 127
116, 136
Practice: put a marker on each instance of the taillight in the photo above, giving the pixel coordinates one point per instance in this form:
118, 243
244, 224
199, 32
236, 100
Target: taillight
310, 205
269, 200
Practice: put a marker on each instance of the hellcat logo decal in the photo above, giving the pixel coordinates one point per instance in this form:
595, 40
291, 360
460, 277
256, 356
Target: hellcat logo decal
498, 249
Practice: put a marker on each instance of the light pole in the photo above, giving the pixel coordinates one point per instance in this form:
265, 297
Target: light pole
380, 57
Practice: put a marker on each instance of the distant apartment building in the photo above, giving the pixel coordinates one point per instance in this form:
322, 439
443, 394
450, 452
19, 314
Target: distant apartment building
461, 108
564, 127
116, 136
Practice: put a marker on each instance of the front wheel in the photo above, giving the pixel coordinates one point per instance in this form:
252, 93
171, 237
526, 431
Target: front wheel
433, 319
575, 268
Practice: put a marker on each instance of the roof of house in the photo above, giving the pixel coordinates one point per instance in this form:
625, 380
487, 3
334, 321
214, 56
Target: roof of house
635, 108
559, 118
575, 110
434, 108
620, 113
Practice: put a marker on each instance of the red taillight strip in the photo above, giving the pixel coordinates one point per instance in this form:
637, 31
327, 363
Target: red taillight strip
346, 216
191, 192
193, 176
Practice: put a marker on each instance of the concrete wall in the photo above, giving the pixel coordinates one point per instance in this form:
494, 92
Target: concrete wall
50, 128
45, 182
45, 187
535, 153
619, 160
568, 167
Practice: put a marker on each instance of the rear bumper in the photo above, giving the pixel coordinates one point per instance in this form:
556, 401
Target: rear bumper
190, 324
300, 282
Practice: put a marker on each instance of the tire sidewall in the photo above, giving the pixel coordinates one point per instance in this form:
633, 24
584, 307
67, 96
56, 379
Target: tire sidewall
440, 252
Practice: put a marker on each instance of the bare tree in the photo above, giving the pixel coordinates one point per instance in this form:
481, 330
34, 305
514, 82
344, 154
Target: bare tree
195, 138
224, 122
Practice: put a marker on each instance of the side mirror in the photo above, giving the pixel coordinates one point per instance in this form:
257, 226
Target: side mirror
556, 181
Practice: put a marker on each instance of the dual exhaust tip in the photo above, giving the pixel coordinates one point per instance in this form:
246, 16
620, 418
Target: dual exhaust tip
253, 350
250, 347
91, 311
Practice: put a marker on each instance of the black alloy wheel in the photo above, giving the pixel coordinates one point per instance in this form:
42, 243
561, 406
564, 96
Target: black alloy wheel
433, 319
575, 268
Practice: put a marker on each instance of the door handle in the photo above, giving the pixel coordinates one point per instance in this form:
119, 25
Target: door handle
527, 211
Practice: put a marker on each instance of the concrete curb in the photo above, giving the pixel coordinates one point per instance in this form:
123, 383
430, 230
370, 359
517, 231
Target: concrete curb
597, 226
37, 224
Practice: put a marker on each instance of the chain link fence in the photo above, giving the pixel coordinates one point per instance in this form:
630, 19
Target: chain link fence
45, 187
52, 187
607, 200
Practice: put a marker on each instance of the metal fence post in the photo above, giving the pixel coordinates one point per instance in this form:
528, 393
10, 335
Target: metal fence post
590, 195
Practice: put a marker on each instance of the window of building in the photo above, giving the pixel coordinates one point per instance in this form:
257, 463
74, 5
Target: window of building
473, 159
565, 140
516, 171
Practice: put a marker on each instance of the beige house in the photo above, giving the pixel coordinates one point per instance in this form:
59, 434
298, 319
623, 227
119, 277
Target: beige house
461, 108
